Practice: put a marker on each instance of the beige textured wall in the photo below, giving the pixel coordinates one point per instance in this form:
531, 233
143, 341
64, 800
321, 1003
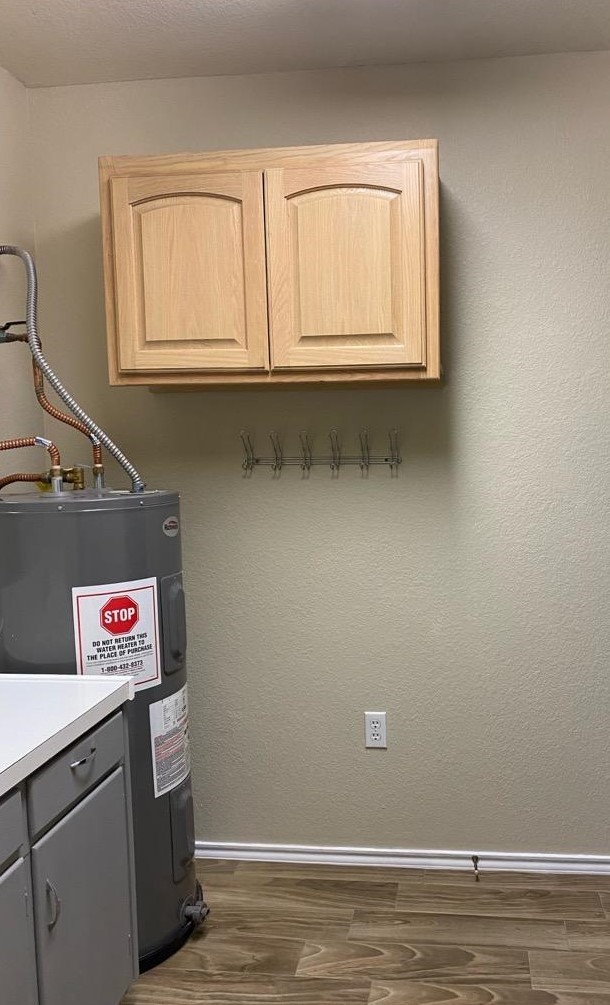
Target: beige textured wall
468, 597
18, 414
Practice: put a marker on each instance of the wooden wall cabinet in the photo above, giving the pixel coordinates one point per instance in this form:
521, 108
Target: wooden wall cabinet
299, 265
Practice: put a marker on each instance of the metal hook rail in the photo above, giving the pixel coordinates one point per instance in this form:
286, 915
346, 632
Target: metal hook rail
306, 459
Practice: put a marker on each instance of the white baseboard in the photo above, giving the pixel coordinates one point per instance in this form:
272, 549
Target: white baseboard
405, 858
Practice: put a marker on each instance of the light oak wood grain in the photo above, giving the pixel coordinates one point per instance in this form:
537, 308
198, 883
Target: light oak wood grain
345, 255
496, 901
393, 960
280, 380
402, 926
570, 972
188, 266
184, 265
381, 152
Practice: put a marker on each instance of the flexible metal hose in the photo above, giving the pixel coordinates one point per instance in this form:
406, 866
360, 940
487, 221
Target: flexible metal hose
69, 420
33, 441
137, 484
20, 477
43, 401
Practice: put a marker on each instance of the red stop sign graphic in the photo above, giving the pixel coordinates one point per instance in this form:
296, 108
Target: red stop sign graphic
119, 615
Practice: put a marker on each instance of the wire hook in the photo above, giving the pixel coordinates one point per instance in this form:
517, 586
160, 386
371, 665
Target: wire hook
249, 460
395, 457
365, 455
306, 451
335, 449
276, 466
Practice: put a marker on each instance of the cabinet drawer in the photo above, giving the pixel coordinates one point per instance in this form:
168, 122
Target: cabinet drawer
11, 827
75, 771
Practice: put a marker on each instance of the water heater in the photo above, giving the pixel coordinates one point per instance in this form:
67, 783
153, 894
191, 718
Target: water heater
91, 583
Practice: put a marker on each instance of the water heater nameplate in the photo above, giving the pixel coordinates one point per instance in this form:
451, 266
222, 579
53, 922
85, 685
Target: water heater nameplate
116, 630
169, 740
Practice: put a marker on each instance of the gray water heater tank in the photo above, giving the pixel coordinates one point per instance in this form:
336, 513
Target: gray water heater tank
91, 581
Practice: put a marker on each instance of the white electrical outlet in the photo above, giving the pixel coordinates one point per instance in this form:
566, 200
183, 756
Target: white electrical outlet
375, 729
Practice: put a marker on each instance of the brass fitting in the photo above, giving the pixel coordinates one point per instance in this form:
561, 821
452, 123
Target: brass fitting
98, 476
56, 477
74, 476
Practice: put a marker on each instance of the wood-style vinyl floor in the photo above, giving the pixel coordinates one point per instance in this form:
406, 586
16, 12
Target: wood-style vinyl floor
331, 935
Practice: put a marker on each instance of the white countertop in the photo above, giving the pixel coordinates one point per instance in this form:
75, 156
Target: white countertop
40, 714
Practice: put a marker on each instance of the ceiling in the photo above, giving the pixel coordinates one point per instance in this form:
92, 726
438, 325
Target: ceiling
49, 42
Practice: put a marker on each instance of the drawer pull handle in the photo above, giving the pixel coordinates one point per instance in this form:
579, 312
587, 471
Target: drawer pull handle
54, 903
84, 760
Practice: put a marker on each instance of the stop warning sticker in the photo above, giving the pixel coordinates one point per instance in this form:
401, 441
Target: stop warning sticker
116, 631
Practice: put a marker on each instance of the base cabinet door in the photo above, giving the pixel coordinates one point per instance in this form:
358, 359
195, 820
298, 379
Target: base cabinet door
17, 956
82, 902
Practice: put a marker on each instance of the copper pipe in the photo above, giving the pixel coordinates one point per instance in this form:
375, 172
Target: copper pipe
9, 479
69, 420
56, 413
33, 441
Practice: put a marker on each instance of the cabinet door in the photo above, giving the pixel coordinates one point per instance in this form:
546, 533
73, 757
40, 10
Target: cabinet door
189, 260
82, 902
347, 265
17, 956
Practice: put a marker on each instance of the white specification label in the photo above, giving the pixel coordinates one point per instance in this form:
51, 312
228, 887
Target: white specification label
116, 631
169, 740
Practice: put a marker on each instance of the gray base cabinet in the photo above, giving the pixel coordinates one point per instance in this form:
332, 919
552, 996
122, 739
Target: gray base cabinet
67, 894
17, 969
80, 875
